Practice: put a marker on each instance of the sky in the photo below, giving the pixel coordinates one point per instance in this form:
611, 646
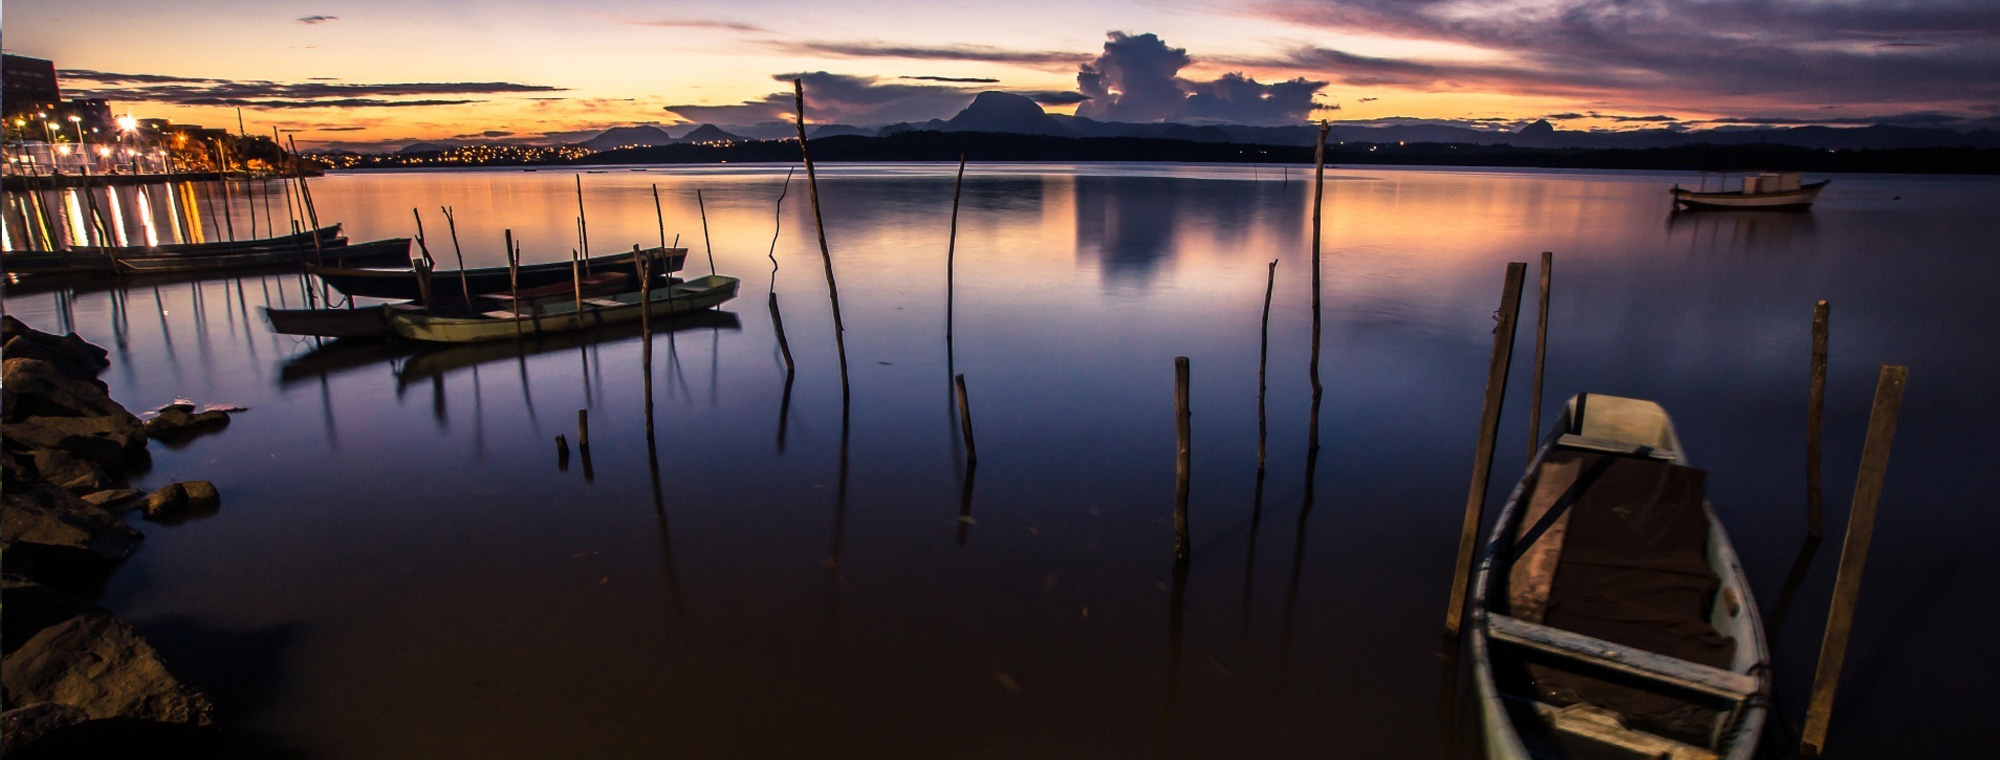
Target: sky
375, 72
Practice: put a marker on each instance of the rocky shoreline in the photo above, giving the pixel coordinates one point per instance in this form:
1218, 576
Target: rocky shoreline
76, 680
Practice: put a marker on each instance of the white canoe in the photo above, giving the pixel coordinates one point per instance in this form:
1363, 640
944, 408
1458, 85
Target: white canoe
1526, 663
1798, 199
699, 293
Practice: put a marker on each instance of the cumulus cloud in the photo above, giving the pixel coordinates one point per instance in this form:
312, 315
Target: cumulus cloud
1137, 78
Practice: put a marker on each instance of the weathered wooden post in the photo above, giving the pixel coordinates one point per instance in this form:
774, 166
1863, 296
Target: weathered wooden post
583, 430
582, 225
1319, 191
1264, 358
1541, 356
1854, 554
1183, 459
1489, 429
1815, 416
660, 216
464, 284
965, 419
513, 280
576, 283
819, 225
951, 250
706, 244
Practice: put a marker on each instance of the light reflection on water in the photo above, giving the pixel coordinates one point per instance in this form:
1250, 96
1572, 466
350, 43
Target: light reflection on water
399, 549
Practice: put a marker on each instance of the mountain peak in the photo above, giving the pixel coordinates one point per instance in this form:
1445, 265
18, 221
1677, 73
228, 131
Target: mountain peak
995, 111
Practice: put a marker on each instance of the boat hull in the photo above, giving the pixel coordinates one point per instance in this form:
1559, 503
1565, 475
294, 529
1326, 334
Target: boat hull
699, 293
358, 253
1787, 200
1738, 618
402, 283
105, 259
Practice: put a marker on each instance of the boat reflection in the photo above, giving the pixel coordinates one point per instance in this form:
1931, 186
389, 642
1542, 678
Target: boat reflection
1741, 231
440, 361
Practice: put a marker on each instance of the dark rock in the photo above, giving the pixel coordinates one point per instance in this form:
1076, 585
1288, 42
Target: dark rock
168, 502
106, 440
77, 474
202, 496
32, 607
179, 422
40, 389
70, 352
98, 663
60, 539
21, 727
115, 499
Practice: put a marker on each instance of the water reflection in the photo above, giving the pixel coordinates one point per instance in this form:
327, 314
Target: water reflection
1742, 231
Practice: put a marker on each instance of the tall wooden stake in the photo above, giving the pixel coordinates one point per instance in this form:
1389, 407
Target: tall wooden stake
965, 420
659, 215
582, 224
819, 224
1489, 429
1183, 458
951, 249
514, 280
1264, 358
464, 284
1319, 191
576, 282
1854, 554
583, 430
1541, 354
710, 246
1815, 414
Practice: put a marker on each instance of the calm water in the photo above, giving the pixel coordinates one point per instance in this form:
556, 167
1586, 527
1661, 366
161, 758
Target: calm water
401, 568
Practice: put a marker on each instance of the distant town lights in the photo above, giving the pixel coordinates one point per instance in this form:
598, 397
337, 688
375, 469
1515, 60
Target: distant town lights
128, 123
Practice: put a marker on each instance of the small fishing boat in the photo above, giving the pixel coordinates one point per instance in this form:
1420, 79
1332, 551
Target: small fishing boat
104, 259
438, 359
1763, 191
391, 249
515, 323
373, 321
1610, 617
402, 283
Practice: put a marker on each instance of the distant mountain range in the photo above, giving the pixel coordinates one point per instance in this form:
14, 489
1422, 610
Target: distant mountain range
1007, 113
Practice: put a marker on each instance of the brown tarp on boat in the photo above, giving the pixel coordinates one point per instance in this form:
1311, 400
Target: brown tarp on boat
1633, 570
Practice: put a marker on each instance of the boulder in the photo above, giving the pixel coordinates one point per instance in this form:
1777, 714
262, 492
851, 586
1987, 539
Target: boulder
54, 535
179, 422
70, 352
98, 663
21, 727
167, 503
107, 440
116, 499
78, 474
39, 389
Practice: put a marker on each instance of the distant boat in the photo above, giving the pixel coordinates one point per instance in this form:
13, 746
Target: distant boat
504, 324
1762, 191
390, 249
1611, 616
402, 282
373, 321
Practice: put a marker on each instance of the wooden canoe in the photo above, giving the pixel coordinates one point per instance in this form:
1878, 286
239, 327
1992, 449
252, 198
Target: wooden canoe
104, 259
402, 283
1798, 199
356, 253
438, 359
560, 316
1548, 687
372, 321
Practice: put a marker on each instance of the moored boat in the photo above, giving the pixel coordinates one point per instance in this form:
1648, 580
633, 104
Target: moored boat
1762, 191
503, 324
373, 321
105, 259
1610, 616
402, 283
374, 251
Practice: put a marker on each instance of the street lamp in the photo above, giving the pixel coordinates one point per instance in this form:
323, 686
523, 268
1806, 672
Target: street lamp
76, 122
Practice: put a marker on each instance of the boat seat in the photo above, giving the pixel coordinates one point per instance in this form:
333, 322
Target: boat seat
1690, 676
1608, 446
503, 314
603, 302
1606, 728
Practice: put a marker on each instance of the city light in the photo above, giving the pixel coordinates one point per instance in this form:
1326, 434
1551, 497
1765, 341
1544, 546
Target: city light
128, 123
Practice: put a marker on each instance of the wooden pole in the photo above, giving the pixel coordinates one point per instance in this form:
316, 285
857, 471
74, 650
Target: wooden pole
1183, 459
819, 224
222, 182
582, 223
1319, 191
514, 280
659, 215
1854, 554
705, 242
423, 271
458, 253
583, 429
951, 249
562, 449
778, 320
1541, 355
576, 282
422, 248
1263, 359
965, 420
1815, 415
1489, 429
